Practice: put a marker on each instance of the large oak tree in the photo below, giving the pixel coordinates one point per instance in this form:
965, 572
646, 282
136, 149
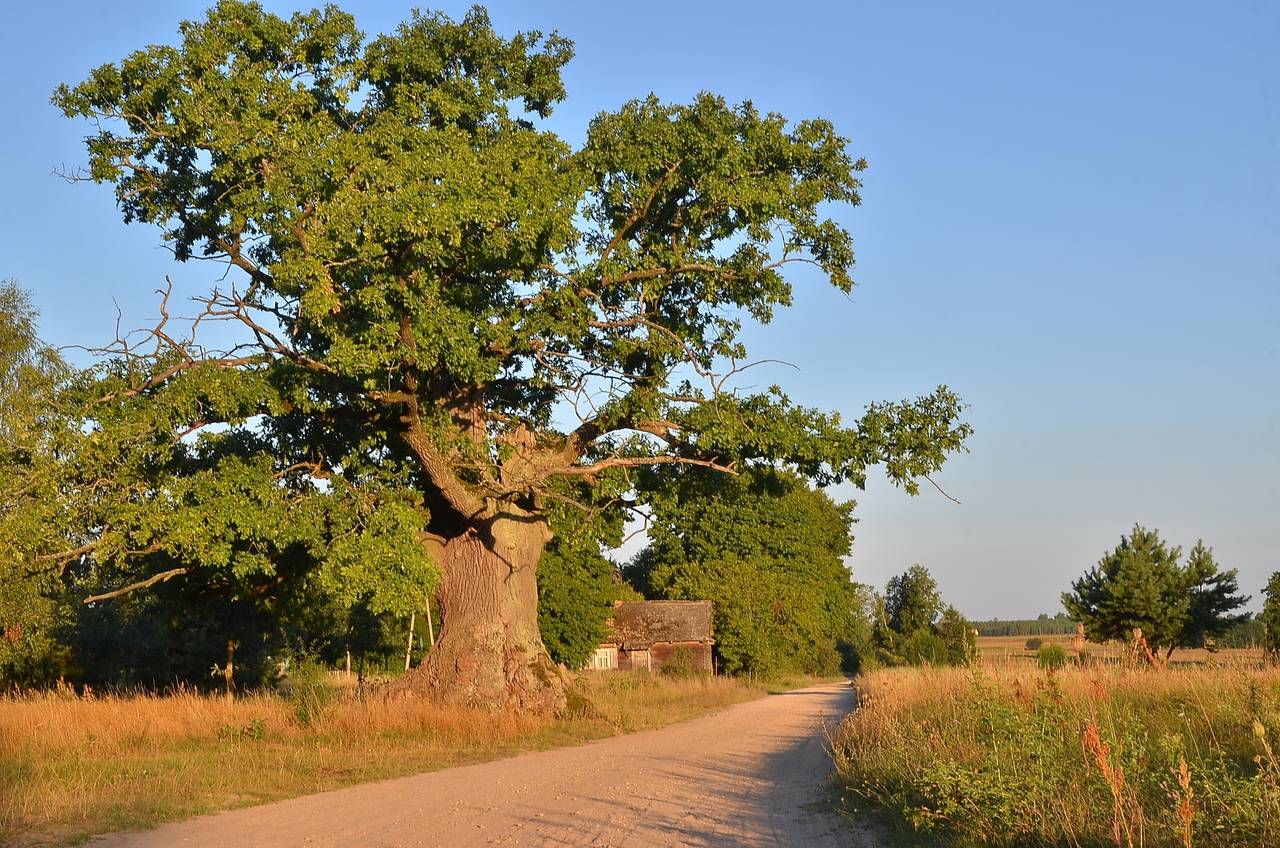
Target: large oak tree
452, 322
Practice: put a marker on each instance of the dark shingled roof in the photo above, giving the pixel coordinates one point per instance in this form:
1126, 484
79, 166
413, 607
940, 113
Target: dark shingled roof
643, 623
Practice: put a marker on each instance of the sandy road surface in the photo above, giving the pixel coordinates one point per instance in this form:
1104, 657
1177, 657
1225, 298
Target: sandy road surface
749, 775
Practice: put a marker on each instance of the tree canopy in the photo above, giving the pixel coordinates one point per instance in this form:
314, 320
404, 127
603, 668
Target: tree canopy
1142, 584
1214, 598
914, 627
32, 433
912, 600
441, 316
768, 550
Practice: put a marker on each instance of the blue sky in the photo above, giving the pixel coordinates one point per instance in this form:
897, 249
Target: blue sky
1072, 217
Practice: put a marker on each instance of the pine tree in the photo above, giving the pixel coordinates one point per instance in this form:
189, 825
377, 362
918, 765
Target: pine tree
1214, 594
1141, 585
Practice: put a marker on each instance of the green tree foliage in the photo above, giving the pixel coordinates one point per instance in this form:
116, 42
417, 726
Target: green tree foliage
1270, 619
174, 634
1249, 633
914, 627
1141, 584
576, 590
177, 631
1214, 595
912, 601
577, 585
958, 635
33, 430
422, 279
858, 648
768, 550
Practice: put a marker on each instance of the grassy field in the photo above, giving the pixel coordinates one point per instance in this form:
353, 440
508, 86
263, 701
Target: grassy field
1004, 754
73, 766
1012, 650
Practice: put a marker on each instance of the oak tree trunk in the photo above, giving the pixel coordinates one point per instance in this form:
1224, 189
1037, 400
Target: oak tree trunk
489, 652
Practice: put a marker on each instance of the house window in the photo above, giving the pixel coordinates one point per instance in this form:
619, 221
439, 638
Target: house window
601, 659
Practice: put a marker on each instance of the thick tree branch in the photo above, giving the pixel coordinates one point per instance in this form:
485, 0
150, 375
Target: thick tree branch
576, 442
141, 584
640, 214
433, 462
639, 461
64, 557
440, 471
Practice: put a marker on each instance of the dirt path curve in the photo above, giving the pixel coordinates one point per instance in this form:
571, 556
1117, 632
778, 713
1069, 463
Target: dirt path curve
749, 775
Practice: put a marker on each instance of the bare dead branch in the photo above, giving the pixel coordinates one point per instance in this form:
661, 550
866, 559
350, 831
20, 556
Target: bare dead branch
940, 489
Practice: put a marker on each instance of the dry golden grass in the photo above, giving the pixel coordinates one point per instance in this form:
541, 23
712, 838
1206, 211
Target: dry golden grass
73, 766
927, 688
1012, 651
1103, 755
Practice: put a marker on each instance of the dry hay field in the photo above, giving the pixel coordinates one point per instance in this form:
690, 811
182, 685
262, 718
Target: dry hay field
997, 651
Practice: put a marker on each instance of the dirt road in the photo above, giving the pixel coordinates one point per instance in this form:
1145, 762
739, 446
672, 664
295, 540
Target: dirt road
749, 775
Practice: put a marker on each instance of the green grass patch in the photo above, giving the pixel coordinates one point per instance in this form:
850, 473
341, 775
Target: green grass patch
1080, 757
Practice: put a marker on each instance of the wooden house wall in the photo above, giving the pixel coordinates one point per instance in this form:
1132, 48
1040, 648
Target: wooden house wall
638, 660
699, 655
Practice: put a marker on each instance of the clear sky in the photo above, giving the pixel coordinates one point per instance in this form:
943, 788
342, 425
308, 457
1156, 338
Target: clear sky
1072, 217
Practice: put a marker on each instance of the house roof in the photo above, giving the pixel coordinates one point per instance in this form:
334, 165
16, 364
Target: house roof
643, 623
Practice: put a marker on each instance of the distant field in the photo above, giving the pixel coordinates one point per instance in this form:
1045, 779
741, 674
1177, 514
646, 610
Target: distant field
1006, 650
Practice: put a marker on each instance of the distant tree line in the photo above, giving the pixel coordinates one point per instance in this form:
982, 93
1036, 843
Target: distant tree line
1247, 633
1044, 625
1144, 586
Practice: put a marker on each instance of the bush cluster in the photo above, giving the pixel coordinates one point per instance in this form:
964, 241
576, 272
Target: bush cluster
1052, 657
914, 627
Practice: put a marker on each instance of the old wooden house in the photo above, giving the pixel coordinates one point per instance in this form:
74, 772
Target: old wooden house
651, 635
